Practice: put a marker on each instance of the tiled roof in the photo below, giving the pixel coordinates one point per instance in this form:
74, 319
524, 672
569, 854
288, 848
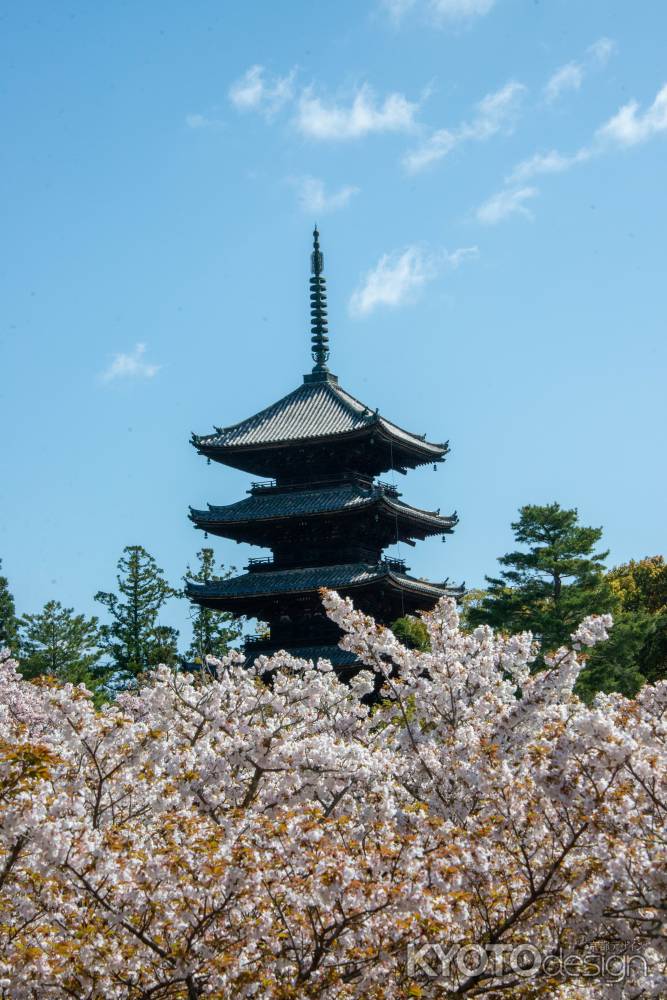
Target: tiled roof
270, 506
314, 410
307, 580
273, 505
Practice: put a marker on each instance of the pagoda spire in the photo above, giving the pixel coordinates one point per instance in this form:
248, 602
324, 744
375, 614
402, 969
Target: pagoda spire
318, 308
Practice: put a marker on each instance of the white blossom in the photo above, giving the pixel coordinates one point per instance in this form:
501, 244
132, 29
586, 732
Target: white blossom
223, 836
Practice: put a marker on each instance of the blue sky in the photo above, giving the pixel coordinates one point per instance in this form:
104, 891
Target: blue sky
489, 180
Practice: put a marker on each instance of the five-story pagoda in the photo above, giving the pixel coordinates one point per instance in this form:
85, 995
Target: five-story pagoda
322, 512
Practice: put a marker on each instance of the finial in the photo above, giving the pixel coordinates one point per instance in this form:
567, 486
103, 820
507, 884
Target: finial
318, 307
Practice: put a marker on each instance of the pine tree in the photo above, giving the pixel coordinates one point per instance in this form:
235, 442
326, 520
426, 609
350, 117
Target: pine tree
60, 644
549, 588
8, 622
212, 631
134, 639
412, 633
164, 647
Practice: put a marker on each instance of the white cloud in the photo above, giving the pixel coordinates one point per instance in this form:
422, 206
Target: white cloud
316, 200
440, 11
397, 277
197, 121
494, 113
435, 148
460, 10
457, 257
628, 127
572, 74
131, 365
601, 50
505, 204
397, 9
392, 281
568, 77
496, 110
252, 92
547, 163
364, 115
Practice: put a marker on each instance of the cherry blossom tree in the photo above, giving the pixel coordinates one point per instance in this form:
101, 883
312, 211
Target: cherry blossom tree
263, 832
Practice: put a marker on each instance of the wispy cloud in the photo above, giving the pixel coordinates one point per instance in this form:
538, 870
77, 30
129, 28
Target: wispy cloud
494, 113
314, 198
460, 10
439, 11
255, 92
505, 204
601, 51
397, 277
458, 257
572, 74
199, 121
397, 9
132, 365
552, 162
629, 127
568, 77
365, 114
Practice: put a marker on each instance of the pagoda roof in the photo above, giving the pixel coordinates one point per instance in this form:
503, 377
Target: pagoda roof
272, 506
318, 410
310, 580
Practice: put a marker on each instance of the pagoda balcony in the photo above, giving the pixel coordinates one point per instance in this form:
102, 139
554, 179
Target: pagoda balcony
265, 486
321, 482
255, 643
388, 489
266, 564
261, 564
395, 565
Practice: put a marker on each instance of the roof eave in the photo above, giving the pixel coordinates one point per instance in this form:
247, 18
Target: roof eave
426, 451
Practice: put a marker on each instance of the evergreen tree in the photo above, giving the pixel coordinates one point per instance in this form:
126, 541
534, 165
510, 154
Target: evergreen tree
654, 650
468, 603
212, 631
8, 621
412, 633
60, 644
134, 639
636, 651
641, 585
618, 664
549, 588
164, 648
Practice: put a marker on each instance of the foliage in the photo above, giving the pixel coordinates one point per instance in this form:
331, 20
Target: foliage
551, 586
134, 639
213, 632
618, 666
8, 621
641, 585
468, 604
412, 633
637, 649
220, 837
60, 644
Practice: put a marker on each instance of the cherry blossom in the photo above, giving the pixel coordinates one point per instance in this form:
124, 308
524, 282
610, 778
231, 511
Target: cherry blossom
265, 832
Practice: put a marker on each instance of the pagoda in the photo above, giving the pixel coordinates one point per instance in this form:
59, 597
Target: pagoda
320, 509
